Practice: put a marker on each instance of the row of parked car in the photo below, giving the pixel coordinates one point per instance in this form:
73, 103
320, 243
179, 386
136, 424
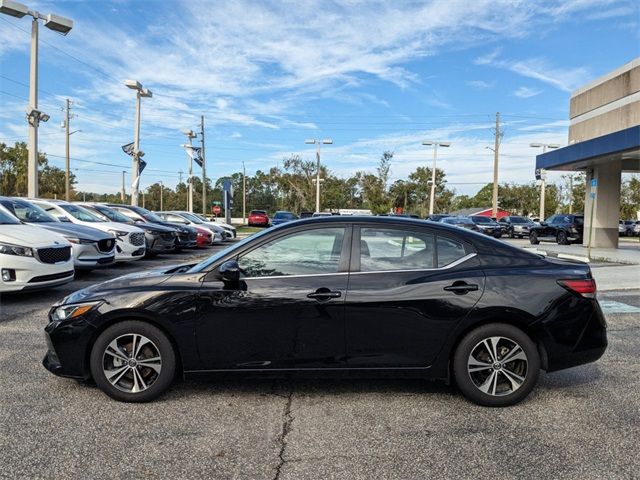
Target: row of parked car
43, 242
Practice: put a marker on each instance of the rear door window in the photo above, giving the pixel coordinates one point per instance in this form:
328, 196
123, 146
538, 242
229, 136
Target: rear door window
387, 249
449, 251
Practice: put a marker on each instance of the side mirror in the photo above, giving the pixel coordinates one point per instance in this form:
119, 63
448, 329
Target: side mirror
64, 219
230, 271
139, 220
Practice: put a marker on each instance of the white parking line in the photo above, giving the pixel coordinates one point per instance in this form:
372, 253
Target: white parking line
611, 306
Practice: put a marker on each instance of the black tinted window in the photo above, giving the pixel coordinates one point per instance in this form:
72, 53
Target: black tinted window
383, 249
449, 251
303, 253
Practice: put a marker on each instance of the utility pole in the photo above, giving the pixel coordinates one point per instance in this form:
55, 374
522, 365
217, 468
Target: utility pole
161, 195
496, 156
327, 141
67, 117
204, 175
122, 194
244, 193
180, 173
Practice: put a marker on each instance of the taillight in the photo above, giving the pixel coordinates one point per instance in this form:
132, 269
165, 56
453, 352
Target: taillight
585, 288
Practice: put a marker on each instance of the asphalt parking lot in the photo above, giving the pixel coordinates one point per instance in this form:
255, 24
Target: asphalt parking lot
579, 423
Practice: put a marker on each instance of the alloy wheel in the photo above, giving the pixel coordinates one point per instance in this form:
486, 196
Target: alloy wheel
131, 363
497, 366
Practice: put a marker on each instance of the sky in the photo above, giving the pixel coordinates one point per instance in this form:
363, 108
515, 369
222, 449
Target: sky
267, 75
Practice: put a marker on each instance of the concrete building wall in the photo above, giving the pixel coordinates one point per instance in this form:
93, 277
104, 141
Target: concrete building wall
608, 104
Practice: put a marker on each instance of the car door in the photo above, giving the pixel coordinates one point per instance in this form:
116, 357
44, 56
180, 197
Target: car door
287, 310
548, 230
408, 288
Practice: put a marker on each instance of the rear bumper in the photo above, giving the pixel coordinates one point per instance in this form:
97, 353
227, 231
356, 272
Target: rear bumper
577, 342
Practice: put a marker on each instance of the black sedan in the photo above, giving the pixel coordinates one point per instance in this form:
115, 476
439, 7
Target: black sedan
517, 226
487, 225
342, 296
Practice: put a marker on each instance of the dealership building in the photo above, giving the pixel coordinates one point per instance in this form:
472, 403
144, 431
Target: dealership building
604, 142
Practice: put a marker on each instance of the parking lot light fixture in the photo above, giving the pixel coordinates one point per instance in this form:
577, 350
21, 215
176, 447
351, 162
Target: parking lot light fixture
326, 141
543, 188
432, 193
137, 154
190, 136
34, 117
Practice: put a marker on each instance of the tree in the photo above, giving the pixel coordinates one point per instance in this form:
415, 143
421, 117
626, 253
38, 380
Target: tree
13, 173
374, 187
421, 178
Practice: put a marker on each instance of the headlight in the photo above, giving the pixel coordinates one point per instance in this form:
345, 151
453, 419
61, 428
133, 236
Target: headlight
18, 250
65, 312
77, 240
119, 233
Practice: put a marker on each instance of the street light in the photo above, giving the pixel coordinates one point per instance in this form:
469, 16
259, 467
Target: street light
326, 141
34, 116
140, 93
190, 136
543, 186
161, 194
432, 195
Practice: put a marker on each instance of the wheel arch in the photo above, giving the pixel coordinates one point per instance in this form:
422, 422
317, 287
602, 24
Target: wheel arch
124, 316
509, 316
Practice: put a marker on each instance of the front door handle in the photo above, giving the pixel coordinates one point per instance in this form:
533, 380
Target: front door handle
324, 294
460, 288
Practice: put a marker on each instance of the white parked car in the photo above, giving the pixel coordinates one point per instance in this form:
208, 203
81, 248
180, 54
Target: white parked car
229, 228
92, 248
181, 218
32, 257
130, 243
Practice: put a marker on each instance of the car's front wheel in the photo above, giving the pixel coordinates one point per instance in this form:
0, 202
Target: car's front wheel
562, 238
496, 365
533, 238
133, 361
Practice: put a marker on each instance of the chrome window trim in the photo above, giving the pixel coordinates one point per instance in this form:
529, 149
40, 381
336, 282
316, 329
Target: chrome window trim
461, 260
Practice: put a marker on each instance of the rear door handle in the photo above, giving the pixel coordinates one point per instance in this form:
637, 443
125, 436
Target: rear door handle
324, 295
461, 288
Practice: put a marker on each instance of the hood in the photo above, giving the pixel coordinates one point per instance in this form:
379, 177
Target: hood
180, 228
30, 236
125, 283
155, 227
74, 230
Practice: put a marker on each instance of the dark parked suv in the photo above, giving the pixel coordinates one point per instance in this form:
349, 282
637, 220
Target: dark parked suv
561, 228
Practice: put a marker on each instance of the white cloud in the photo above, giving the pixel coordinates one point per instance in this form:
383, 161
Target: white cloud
526, 92
480, 84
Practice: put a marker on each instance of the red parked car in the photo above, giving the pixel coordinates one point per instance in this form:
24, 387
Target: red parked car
204, 238
258, 218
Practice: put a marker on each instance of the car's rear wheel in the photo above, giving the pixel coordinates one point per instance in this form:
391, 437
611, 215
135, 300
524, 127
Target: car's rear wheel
511, 234
533, 238
562, 238
496, 365
133, 361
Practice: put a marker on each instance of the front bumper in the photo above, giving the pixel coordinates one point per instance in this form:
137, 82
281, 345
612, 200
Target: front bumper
67, 348
126, 251
159, 243
30, 274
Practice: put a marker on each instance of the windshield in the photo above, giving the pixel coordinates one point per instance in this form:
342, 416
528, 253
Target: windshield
518, 220
6, 219
205, 264
284, 215
80, 213
147, 215
481, 219
27, 212
192, 217
110, 214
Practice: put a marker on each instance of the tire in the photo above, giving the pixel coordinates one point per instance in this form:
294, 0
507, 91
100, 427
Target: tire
109, 354
562, 238
493, 383
533, 238
511, 234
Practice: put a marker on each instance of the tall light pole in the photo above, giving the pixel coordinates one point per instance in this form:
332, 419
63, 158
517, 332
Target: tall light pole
432, 195
204, 175
122, 192
543, 185
161, 194
190, 136
326, 141
34, 116
140, 93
